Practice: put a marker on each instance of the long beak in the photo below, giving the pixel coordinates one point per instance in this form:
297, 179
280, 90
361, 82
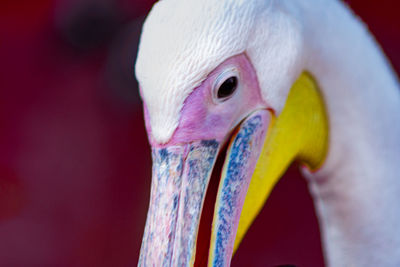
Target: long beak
258, 153
180, 178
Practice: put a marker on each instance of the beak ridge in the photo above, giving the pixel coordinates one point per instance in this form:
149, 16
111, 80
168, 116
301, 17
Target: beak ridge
180, 179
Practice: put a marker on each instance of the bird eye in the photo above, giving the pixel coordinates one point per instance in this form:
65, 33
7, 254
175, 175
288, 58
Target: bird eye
226, 85
227, 88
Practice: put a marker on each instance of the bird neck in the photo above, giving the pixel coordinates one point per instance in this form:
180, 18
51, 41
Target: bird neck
357, 191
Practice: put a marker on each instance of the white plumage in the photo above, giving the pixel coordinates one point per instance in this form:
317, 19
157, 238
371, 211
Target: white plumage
186, 40
357, 191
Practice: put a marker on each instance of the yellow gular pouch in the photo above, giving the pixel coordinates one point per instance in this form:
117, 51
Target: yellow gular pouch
300, 133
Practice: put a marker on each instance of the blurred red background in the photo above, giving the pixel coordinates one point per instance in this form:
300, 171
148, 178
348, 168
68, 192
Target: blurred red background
75, 164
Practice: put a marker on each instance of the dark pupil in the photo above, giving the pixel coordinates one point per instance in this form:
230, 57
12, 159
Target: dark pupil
228, 87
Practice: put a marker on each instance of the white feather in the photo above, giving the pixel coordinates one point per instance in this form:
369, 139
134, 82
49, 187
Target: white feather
357, 191
183, 41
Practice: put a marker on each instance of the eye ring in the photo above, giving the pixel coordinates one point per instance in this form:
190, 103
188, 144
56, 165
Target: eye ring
226, 85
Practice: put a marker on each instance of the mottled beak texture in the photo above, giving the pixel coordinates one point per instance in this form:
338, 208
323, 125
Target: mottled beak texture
181, 175
180, 178
242, 155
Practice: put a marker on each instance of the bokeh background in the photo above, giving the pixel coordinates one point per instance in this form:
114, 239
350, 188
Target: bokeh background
75, 164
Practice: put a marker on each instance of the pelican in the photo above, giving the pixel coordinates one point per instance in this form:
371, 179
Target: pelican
277, 81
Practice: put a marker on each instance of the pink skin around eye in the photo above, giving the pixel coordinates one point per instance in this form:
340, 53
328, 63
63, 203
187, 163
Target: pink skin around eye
204, 119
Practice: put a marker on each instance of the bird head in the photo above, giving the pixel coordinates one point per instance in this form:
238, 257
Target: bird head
214, 73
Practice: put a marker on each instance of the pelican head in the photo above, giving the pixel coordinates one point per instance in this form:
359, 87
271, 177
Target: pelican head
216, 72
210, 72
